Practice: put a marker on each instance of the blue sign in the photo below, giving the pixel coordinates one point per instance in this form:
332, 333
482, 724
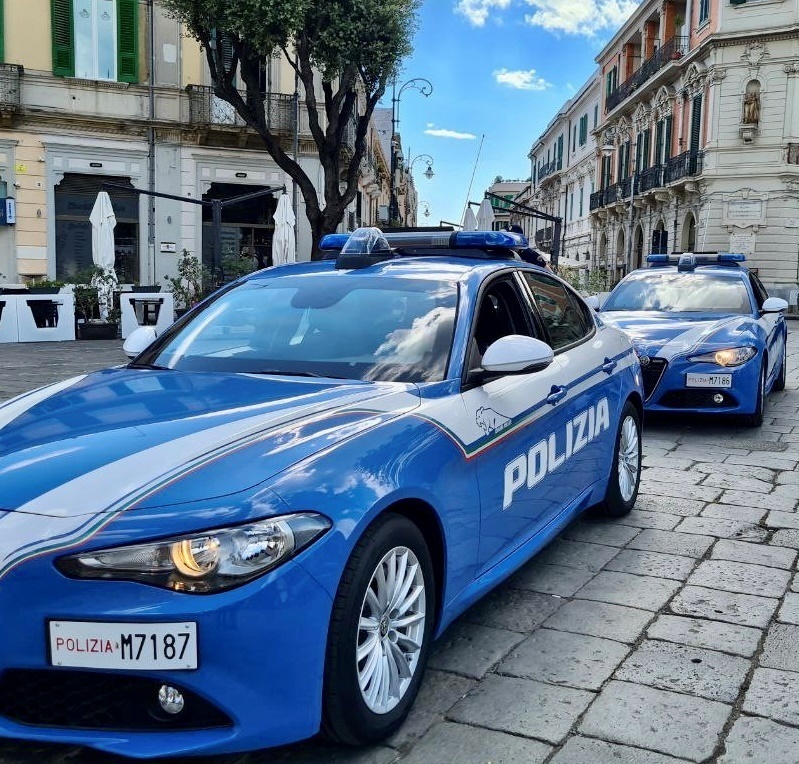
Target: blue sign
8, 211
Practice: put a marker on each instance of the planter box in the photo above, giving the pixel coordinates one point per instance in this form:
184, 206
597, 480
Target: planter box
97, 331
151, 288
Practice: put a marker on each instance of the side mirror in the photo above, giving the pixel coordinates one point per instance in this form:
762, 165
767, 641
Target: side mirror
139, 340
592, 301
774, 305
516, 354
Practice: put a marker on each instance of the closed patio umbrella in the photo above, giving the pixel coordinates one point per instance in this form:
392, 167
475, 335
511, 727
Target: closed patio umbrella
485, 216
469, 220
103, 223
283, 245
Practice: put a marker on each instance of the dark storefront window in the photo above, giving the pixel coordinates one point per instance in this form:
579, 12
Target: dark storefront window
74, 199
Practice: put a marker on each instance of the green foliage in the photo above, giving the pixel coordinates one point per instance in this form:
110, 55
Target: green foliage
591, 282
193, 282
46, 283
94, 295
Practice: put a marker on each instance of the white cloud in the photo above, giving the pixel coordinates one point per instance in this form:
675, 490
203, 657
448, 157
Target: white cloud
430, 124
477, 11
521, 79
581, 17
441, 133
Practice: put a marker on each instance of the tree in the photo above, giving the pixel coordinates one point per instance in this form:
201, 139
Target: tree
351, 48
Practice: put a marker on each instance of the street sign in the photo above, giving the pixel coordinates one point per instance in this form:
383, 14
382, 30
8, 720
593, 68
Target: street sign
8, 211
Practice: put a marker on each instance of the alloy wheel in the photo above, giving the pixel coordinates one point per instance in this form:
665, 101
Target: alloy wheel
629, 460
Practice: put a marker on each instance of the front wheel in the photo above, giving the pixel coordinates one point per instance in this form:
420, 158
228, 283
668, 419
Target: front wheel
380, 633
625, 471
779, 383
756, 419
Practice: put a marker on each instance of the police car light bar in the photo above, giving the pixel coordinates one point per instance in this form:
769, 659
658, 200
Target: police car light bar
334, 242
689, 260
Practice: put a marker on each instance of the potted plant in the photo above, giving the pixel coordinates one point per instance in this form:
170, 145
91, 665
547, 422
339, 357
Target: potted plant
190, 285
45, 286
96, 310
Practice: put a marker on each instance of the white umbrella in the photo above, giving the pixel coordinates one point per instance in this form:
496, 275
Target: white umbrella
283, 245
103, 223
485, 216
469, 220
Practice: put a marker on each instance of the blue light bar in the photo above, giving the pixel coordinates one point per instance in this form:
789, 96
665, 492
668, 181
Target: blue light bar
491, 239
731, 258
333, 242
657, 258
689, 260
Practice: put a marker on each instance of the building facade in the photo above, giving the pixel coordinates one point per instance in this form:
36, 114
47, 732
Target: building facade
698, 141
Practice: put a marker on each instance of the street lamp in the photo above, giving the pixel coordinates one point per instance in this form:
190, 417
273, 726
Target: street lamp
425, 87
426, 210
428, 173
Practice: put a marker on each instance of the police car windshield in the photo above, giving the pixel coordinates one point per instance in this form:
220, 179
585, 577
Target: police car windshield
328, 325
671, 292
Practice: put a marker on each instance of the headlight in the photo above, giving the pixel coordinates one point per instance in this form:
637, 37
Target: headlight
205, 562
728, 357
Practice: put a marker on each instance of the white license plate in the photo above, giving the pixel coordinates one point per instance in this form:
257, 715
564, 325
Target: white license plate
708, 380
136, 646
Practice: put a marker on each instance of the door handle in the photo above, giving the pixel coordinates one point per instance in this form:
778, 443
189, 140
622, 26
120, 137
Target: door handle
556, 395
609, 365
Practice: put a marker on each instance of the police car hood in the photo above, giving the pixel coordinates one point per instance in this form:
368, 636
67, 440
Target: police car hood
666, 335
132, 438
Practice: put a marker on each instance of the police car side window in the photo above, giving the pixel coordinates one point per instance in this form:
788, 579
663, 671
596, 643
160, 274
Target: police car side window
761, 295
563, 317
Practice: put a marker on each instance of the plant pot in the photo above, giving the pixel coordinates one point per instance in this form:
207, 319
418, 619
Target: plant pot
97, 330
44, 290
146, 288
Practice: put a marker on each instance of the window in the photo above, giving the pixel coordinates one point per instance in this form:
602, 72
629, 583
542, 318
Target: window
564, 317
596, 115
582, 194
704, 11
2, 33
560, 151
574, 139
611, 80
696, 124
95, 39
583, 129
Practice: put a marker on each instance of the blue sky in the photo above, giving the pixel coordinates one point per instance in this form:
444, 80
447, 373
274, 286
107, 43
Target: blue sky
499, 69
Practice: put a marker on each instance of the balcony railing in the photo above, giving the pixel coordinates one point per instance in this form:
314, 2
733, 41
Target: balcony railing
684, 165
543, 235
672, 50
597, 200
650, 179
10, 75
206, 110
547, 169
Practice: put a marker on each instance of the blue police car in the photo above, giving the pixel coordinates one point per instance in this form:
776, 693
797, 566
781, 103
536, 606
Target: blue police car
254, 530
710, 339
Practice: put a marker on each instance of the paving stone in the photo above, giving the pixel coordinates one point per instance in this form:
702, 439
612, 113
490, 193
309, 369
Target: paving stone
678, 490
440, 691
769, 501
738, 472
717, 605
762, 460
582, 750
643, 592
669, 722
310, 752
447, 743
551, 579
672, 463
716, 526
789, 612
667, 475
760, 740
669, 505
781, 650
577, 554
472, 650
693, 670
788, 478
756, 554
652, 564
739, 482
643, 519
774, 694
740, 577
670, 542
715, 635
513, 609
600, 619
787, 538
603, 532
782, 520
732, 512
788, 491
558, 657
523, 707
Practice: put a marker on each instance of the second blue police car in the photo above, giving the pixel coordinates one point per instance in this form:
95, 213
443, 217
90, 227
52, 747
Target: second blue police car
255, 529
710, 339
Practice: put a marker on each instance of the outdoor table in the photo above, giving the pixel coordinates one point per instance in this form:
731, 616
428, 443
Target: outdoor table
37, 317
156, 309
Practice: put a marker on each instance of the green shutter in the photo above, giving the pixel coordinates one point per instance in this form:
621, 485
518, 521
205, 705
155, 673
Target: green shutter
659, 143
63, 38
2, 33
667, 141
128, 41
696, 123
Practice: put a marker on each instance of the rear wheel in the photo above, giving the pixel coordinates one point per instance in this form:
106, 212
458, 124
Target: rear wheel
380, 633
625, 471
779, 383
756, 419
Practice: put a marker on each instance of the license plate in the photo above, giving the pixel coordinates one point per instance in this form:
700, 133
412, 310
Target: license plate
132, 646
708, 380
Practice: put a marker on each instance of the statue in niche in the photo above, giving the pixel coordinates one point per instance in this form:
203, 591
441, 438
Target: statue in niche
751, 108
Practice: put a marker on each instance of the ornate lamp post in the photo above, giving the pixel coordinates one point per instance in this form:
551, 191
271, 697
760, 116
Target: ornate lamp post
425, 87
425, 208
428, 173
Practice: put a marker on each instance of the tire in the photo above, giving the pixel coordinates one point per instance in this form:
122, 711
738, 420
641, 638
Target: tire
625, 470
779, 383
756, 419
357, 708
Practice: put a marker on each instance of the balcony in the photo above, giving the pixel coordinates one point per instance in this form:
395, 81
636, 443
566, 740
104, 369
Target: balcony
543, 236
684, 165
206, 110
672, 50
547, 169
650, 179
10, 75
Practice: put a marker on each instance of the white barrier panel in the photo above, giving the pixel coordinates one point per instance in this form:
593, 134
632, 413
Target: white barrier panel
46, 317
9, 332
156, 309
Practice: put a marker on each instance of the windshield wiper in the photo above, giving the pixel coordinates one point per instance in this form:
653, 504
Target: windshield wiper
280, 373
148, 366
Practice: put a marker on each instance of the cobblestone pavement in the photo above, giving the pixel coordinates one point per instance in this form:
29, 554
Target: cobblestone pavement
668, 635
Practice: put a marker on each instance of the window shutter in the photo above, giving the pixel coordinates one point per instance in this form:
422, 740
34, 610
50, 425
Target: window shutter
667, 140
659, 143
696, 123
647, 148
128, 41
2, 34
63, 38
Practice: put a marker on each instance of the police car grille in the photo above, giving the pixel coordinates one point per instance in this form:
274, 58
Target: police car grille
651, 373
89, 700
697, 399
